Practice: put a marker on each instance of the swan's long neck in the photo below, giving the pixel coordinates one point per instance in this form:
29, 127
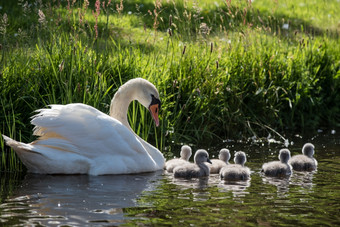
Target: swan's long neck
120, 104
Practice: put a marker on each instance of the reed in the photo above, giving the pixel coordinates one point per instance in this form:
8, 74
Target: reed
224, 69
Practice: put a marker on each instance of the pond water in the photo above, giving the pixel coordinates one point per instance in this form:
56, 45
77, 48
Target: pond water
304, 199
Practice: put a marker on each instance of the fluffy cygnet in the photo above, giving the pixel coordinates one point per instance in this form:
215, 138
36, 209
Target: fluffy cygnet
236, 171
278, 168
193, 170
304, 161
184, 159
222, 161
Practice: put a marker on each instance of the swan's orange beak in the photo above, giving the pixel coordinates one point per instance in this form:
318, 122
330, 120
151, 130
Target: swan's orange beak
154, 109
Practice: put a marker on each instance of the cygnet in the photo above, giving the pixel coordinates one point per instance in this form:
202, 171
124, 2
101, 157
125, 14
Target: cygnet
236, 171
278, 168
194, 170
184, 159
222, 161
304, 161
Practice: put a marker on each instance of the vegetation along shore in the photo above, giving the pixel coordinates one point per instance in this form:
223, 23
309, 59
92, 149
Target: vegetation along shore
224, 69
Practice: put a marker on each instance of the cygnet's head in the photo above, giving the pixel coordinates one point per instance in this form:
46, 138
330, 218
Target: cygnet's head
284, 155
224, 155
240, 158
201, 156
308, 150
186, 152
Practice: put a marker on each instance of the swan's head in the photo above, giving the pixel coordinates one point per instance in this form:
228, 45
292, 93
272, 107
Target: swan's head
201, 156
224, 155
308, 150
154, 107
240, 158
146, 93
284, 155
186, 152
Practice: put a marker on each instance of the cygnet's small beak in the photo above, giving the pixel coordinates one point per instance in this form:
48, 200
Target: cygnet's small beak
209, 161
154, 109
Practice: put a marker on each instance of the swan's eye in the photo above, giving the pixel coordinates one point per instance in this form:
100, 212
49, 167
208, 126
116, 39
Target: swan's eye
154, 101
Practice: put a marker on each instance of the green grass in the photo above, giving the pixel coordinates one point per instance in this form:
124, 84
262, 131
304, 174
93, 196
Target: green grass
227, 69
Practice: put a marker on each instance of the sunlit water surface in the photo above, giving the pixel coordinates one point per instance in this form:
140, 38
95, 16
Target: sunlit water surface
304, 199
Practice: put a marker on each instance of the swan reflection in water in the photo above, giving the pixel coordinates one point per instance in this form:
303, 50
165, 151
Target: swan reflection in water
79, 199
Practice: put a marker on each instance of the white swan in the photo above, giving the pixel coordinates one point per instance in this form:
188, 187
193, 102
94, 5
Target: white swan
222, 161
79, 139
185, 155
304, 161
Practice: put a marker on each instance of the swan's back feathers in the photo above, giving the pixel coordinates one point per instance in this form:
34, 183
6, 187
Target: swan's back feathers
75, 122
60, 117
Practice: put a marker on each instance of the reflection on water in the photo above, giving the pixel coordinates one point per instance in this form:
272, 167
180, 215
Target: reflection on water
303, 199
76, 199
200, 183
282, 183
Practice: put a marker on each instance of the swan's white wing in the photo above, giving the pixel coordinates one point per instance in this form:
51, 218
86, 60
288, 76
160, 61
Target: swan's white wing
86, 131
84, 127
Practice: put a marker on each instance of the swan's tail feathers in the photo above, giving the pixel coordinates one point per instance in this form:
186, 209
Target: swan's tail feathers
11, 142
18, 147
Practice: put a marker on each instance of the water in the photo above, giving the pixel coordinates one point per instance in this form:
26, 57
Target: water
304, 199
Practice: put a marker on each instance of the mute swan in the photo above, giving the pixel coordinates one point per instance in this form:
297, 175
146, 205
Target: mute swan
194, 170
79, 139
222, 161
278, 168
236, 171
185, 155
305, 162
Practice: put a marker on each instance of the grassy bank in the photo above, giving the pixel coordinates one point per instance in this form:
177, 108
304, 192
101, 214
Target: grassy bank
224, 69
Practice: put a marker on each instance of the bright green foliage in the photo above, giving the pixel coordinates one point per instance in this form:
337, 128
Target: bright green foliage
226, 69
